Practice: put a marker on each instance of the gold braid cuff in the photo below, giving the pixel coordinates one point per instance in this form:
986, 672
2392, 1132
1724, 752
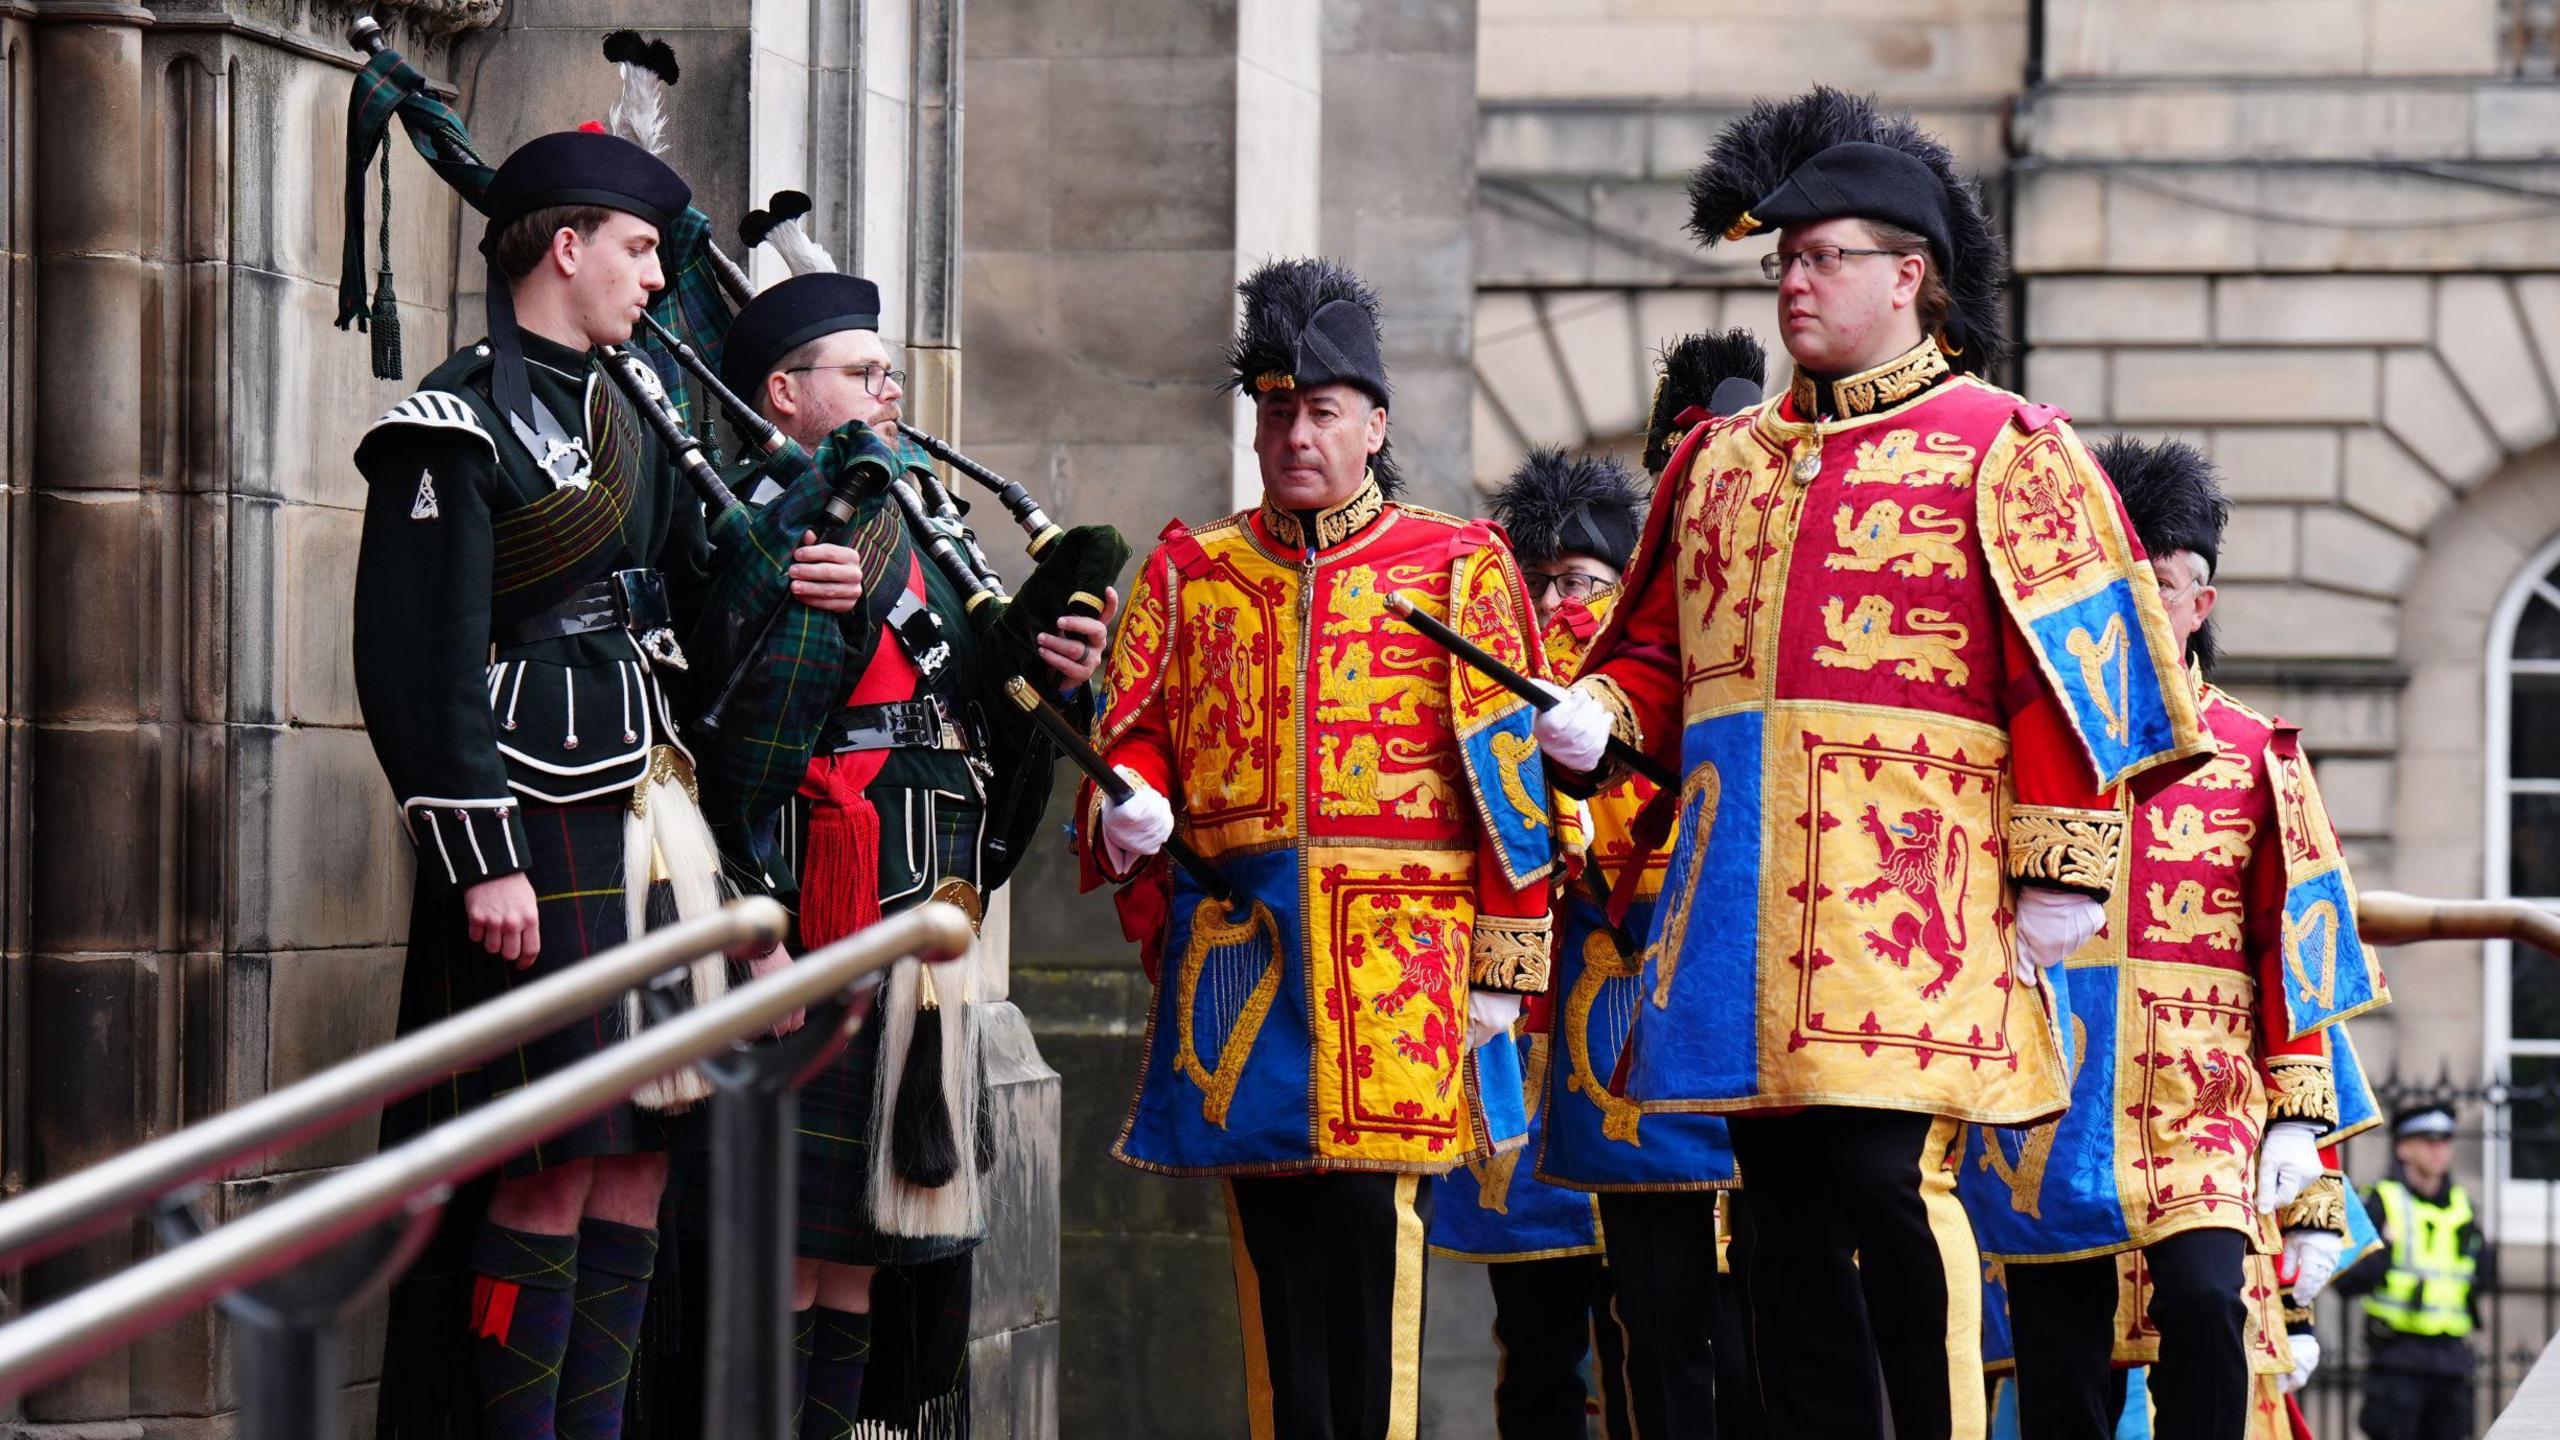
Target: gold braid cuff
2297, 1318
2079, 849
1510, 953
2299, 1087
2322, 1205
1623, 725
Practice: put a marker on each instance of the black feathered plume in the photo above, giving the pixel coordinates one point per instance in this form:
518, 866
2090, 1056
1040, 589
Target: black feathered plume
1690, 370
1753, 155
1555, 505
1311, 322
628, 47
785, 205
2175, 499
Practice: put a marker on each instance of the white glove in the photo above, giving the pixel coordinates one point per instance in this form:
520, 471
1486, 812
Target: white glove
2312, 1256
1137, 827
1489, 1013
1574, 731
2051, 925
2306, 1358
2288, 1161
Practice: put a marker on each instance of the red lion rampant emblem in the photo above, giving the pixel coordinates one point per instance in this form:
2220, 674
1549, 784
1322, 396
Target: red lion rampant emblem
2215, 1121
1223, 661
1710, 527
1919, 868
1424, 969
2042, 507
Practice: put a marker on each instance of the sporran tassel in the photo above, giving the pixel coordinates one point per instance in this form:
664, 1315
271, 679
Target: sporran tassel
386, 304
671, 871
920, 1140
927, 1096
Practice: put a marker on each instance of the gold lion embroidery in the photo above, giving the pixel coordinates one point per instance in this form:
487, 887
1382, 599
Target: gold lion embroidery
2025, 1178
2188, 915
1866, 638
1903, 458
2227, 770
2319, 922
2093, 653
1355, 781
1358, 604
2188, 833
1915, 542
1602, 962
1510, 752
1232, 955
1354, 689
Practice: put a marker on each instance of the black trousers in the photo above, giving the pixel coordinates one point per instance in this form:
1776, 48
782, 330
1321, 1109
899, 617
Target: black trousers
2064, 1318
1329, 1292
1547, 1317
2403, 1406
1865, 1268
1662, 1272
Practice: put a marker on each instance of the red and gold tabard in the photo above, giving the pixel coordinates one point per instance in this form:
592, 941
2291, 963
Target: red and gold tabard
1384, 811
1898, 657
2183, 1046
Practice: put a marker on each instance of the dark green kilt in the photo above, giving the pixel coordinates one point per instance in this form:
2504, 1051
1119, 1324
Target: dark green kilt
576, 870
925, 837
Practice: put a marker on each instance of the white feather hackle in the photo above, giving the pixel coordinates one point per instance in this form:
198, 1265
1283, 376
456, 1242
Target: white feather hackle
800, 250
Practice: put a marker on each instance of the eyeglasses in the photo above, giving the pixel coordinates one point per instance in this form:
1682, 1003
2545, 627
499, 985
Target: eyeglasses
1571, 584
1820, 259
874, 378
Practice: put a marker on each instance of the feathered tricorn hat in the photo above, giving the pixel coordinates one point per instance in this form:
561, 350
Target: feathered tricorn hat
1308, 323
1827, 154
1691, 368
1554, 505
2174, 497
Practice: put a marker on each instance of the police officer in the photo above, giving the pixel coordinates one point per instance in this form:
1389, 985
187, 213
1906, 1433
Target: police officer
2420, 1300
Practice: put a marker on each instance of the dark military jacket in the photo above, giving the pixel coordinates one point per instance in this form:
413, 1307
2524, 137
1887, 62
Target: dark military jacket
471, 530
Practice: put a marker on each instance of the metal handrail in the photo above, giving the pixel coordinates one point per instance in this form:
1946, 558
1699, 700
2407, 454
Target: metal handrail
51, 1342
88, 1201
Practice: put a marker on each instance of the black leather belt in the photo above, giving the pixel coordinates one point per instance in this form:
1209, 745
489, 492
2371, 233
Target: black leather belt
635, 600
918, 724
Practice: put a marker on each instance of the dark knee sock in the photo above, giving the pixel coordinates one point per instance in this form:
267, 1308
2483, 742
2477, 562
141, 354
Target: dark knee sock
839, 1351
615, 1262
522, 1295
804, 1334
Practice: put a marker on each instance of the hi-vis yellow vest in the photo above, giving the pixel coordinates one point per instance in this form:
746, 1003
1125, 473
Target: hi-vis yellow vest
2427, 1290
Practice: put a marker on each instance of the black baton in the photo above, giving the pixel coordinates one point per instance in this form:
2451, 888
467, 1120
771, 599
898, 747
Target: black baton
1522, 686
1075, 747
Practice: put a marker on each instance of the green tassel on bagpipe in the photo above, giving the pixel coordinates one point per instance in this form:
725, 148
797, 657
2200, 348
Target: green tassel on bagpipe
386, 301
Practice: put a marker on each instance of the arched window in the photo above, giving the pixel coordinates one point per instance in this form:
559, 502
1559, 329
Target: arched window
2524, 859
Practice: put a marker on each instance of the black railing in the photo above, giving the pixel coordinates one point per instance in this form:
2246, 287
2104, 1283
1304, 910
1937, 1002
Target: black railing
2519, 1295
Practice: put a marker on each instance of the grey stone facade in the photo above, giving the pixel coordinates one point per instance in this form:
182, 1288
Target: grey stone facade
205, 884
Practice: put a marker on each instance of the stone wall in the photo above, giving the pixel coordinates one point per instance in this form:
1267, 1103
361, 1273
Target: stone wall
205, 883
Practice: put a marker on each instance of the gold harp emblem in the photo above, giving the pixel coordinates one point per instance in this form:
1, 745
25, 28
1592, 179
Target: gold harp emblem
2320, 923
1233, 957
2093, 653
2025, 1179
1602, 962
1698, 798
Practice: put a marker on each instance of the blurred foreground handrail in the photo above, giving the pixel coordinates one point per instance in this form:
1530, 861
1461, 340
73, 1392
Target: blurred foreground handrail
68, 1333
2387, 917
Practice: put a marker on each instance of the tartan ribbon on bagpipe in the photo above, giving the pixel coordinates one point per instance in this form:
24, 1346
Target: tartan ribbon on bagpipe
796, 673
386, 88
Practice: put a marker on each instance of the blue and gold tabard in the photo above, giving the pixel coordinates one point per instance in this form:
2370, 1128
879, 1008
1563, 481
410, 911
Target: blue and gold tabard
2186, 1026
1382, 809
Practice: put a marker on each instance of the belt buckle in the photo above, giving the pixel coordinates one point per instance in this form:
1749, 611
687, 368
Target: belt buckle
640, 598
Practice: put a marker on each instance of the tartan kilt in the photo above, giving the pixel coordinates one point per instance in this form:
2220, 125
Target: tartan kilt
575, 865
926, 836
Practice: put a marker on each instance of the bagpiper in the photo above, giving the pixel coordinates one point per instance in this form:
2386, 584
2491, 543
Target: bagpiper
1895, 634
529, 558
925, 785
2203, 1084
1381, 814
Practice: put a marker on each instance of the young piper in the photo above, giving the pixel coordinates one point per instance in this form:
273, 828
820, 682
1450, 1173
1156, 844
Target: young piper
1895, 635
529, 556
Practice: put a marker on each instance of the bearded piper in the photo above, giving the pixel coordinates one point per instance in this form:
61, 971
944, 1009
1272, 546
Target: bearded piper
1894, 632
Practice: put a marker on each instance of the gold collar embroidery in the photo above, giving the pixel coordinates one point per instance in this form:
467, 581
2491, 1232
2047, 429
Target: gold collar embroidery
1868, 391
1333, 526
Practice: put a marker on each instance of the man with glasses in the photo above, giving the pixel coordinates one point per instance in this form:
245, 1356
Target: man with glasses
1896, 636
925, 785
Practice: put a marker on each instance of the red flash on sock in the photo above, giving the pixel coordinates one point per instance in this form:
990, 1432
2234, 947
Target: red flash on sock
493, 1307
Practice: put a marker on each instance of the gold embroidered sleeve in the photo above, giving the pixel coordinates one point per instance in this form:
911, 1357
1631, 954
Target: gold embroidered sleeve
2322, 1205
2076, 849
1510, 953
1623, 725
2300, 1087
